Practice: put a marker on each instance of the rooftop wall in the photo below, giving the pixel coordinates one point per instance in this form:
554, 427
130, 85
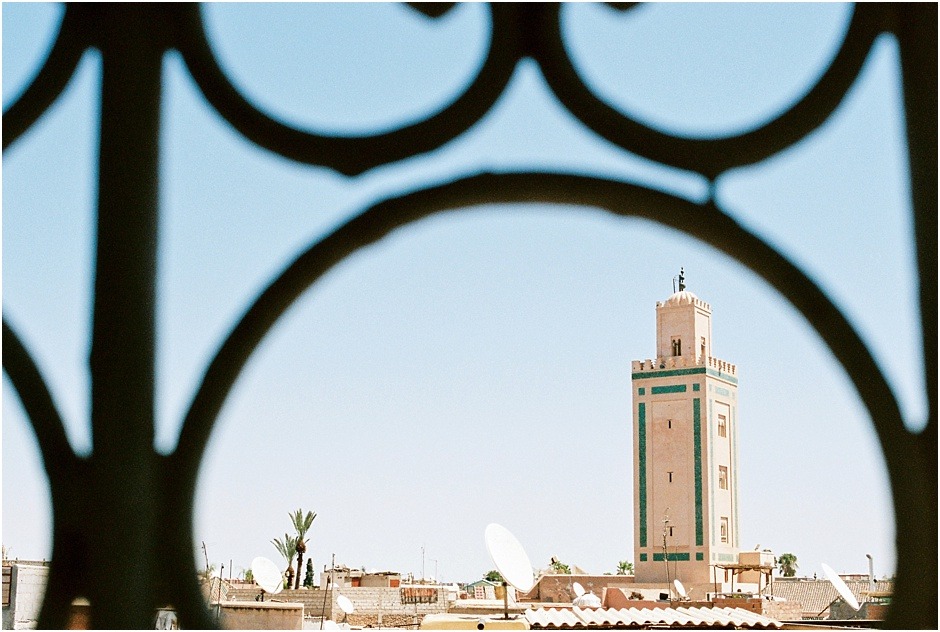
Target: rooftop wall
368, 602
256, 615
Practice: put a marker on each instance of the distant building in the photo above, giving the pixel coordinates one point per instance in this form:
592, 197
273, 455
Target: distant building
24, 584
553, 588
345, 577
685, 450
820, 600
482, 589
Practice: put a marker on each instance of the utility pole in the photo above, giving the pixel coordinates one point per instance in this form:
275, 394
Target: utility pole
329, 587
666, 553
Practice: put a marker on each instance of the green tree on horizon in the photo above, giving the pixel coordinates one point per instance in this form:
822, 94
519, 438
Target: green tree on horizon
624, 567
787, 564
494, 576
308, 577
302, 524
560, 568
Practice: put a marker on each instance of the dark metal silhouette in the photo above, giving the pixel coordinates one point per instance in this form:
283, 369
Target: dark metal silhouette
141, 502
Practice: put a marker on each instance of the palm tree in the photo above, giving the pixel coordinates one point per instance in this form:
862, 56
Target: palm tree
624, 567
301, 526
286, 548
787, 564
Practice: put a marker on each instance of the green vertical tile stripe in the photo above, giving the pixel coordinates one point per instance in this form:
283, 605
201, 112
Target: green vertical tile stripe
641, 422
643, 557
733, 475
672, 388
697, 437
710, 430
699, 557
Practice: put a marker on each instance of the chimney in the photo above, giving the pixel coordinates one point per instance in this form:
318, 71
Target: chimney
871, 573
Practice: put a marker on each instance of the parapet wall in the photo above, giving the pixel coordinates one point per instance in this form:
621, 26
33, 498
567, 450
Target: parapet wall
256, 615
684, 362
369, 602
689, 299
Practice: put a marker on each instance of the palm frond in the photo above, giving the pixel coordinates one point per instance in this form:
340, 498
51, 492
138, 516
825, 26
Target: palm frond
287, 548
302, 522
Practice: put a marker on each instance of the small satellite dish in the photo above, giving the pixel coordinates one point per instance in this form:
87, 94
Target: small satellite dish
345, 604
680, 589
840, 587
509, 557
578, 589
267, 575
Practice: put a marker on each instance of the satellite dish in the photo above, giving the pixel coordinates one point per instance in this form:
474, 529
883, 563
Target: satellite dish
587, 600
680, 589
840, 587
345, 604
509, 557
578, 589
267, 575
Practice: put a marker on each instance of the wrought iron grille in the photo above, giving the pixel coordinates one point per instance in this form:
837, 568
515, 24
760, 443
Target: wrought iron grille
124, 485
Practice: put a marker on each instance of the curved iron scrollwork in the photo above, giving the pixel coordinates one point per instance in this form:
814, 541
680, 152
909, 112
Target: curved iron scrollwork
122, 488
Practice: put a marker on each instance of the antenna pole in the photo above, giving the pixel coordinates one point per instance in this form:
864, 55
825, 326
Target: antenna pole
218, 605
329, 583
666, 554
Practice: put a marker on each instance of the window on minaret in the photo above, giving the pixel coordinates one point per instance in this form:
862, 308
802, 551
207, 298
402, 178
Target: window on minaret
703, 347
676, 346
722, 477
724, 529
722, 426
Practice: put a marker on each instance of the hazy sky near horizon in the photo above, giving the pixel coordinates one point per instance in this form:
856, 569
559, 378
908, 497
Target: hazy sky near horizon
475, 367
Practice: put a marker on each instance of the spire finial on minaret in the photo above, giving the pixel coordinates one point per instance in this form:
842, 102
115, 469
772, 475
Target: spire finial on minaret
681, 279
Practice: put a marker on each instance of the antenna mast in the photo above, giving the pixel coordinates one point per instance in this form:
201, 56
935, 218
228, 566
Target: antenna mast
666, 552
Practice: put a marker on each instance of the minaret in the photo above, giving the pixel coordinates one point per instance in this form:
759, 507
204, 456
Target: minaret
684, 450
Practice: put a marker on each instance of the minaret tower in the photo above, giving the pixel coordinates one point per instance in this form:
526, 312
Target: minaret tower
685, 484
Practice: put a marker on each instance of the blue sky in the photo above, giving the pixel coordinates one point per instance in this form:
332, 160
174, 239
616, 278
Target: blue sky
475, 367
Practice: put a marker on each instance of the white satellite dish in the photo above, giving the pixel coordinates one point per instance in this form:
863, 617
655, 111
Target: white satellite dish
509, 557
840, 587
267, 575
578, 589
345, 604
680, 589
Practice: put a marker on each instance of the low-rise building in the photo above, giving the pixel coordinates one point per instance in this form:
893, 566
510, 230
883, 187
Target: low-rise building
24, 585
818, 595
345, 577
